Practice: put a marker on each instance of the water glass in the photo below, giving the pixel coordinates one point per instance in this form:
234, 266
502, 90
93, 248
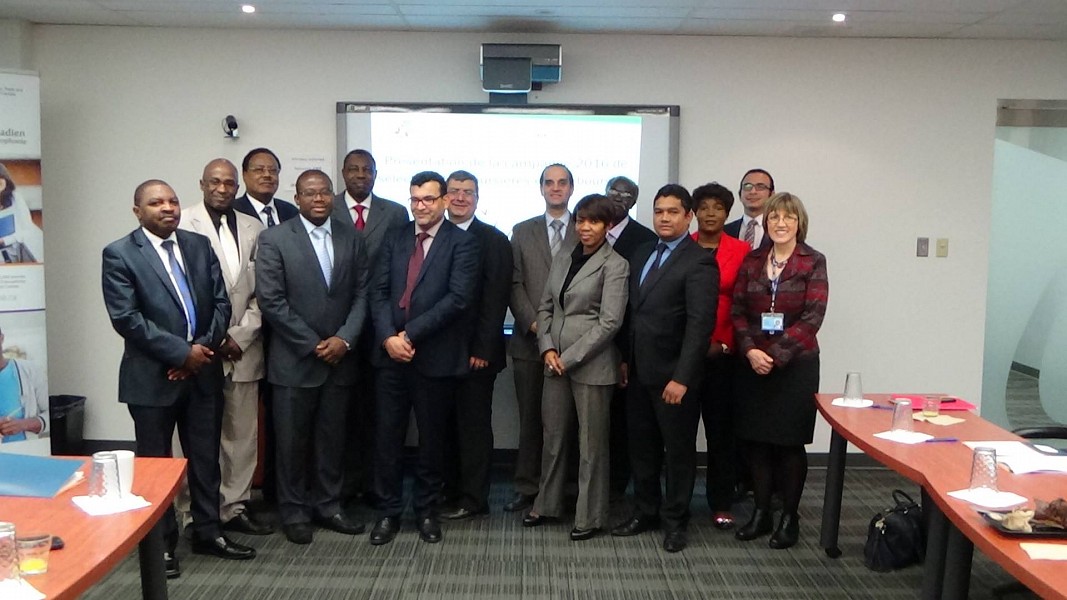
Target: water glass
33, 553
984, 469
931, 406
104, 480
902, 420
9, 556
853, 387
125, 460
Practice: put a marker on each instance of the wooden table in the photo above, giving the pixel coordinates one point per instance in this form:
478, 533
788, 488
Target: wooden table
954, 525
94, 545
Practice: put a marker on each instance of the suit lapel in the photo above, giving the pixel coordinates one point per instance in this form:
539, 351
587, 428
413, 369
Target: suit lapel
304, 247
655, 278
443, 239
377, 217
595, 262
340, 255
201, 223
148, 252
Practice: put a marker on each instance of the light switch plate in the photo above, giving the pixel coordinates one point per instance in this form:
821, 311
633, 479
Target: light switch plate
922, 247
942, 247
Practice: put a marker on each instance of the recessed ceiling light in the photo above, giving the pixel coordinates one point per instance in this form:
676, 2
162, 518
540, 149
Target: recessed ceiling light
839, 17
248, 9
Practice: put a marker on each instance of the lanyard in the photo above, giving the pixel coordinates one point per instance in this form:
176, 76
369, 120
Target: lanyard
774, 290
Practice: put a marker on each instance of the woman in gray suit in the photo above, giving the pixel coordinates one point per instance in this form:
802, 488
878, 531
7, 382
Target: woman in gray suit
581, 311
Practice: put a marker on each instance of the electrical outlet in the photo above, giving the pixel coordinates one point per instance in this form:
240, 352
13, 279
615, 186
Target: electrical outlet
922, 247
942, 247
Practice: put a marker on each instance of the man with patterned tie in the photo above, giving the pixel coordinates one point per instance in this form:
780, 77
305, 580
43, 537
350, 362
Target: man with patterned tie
756, 187
260, 169
166, 296
424, 282
311, 284
534, 242
233, 238
375, 217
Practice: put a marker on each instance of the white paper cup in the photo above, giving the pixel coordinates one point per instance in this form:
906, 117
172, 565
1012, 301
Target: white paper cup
125, 460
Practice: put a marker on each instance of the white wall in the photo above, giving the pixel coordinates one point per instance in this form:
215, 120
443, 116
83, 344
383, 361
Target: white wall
885, 140
15, 44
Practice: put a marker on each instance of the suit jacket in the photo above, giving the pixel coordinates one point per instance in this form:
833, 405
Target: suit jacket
728, 257
303, 310
633, 236
803, 290
146, 310
672, 315
385, 216
594, 307
491, 295
245, 320
532, 258
444, 291
733, 229
286, 210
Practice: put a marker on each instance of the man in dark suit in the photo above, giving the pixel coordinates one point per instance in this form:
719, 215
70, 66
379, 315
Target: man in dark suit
533, 244
625, 236
260, 169
165, 295
311, 284
423, 285
471, 436
756, 187
375, 217
673, 297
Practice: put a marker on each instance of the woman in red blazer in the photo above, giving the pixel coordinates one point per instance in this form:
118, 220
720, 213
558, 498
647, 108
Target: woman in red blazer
712, 203
779, 304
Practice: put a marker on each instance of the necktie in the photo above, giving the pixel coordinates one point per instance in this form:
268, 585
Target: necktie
660, 249
321, 238
360, 223
183, 286
750, 233
557, 237
270, 216
230, 253
414, 266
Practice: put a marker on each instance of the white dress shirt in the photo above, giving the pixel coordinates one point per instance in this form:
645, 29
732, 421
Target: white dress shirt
157, 244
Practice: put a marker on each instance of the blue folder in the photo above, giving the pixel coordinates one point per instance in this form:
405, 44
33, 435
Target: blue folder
35, 476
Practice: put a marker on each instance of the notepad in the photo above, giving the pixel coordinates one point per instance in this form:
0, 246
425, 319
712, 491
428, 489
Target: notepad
35, 476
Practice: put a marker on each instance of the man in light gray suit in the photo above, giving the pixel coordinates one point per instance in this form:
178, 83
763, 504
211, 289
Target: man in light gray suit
311, 284
233, 237
374, 217
534, 242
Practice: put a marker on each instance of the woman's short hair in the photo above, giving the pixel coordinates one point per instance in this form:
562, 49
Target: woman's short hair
595, 207
7, 196
790, 205
713, 191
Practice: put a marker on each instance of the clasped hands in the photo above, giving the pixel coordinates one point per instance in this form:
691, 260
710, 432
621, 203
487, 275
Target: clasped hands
399, 347
761, 362
553, 362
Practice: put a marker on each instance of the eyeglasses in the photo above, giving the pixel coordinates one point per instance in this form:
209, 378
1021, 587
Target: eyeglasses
466, 193
264, 170
425, 200
759, 187
620, 194
312, 194
776, 217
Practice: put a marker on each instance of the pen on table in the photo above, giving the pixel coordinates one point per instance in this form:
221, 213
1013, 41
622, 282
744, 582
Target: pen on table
934, 440
883, 406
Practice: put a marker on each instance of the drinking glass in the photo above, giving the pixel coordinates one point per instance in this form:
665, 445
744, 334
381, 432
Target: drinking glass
9, 556
33, 553
931, 406
902, 420
104, 480
853, 387
984, 469
125, 460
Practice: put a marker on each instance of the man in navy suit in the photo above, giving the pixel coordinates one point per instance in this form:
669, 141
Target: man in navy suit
165, 295
756, 187
260, 169
422, 287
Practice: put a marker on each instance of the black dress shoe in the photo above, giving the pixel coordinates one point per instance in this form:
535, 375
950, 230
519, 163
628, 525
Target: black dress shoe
520, 502
429, 529
341, 524
580, 535
462, 513
223, 547
760, 524
636, 525
532, 520
384, 530
170, 565
675, 541
243, 523
787, 534
298, 533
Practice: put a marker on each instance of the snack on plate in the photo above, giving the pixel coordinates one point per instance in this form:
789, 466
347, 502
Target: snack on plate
1016, 520
1051, 514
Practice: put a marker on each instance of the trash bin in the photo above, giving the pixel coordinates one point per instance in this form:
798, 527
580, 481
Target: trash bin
66, 420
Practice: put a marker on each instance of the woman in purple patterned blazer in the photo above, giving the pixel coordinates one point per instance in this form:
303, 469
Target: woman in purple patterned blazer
779, 304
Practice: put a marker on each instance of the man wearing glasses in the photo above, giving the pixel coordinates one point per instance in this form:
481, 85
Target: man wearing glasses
311, 284
756, 187
424, 284
260, 169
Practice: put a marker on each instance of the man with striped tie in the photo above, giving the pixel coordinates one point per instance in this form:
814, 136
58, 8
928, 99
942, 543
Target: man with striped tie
756, 187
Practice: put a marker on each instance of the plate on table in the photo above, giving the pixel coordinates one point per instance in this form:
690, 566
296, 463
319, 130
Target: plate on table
860, 403
1040, 531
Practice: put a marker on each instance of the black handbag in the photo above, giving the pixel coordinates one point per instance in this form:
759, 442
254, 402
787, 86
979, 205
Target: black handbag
895, 536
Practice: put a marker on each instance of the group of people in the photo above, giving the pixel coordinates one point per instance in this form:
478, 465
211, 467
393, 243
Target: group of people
357, 316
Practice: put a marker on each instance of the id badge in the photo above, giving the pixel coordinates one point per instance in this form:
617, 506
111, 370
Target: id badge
773, 322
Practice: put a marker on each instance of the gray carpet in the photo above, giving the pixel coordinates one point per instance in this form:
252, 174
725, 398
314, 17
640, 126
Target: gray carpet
495, 557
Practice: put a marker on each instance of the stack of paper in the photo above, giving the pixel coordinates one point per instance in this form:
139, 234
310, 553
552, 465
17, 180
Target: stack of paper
904, 437
1022, 458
